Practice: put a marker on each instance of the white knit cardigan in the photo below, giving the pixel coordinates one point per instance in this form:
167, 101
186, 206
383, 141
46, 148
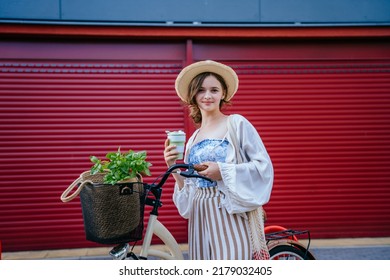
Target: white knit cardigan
244, 186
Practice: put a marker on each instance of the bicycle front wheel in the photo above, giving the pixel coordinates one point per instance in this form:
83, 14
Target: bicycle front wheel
287, 252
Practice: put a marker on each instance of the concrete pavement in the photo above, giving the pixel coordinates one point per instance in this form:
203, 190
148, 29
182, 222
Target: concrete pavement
323, 249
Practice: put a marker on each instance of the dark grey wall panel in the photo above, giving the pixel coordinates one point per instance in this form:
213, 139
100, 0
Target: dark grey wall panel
162, 11
332, 11
28, 9
193, 12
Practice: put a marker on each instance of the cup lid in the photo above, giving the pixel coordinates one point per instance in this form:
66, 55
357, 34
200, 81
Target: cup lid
180, 132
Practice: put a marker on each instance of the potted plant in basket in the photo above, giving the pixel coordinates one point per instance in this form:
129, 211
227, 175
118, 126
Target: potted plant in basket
121, 167
112, 216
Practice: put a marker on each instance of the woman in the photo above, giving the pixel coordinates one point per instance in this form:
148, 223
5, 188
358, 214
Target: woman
219, 227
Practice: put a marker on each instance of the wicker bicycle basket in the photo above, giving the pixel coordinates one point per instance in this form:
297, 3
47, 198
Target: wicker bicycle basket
111, 215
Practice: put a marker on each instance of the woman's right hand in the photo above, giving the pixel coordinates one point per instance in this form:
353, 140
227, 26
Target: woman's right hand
170, 156
170, 153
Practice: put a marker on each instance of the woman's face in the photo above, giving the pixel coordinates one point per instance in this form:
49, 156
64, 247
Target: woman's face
210, 94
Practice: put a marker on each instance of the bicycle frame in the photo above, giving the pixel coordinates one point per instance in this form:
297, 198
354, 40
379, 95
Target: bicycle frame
157, 228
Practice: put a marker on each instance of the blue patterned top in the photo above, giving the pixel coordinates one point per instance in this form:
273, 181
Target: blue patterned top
208, 150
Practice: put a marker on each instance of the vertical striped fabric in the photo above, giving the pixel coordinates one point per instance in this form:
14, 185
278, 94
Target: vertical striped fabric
213, 233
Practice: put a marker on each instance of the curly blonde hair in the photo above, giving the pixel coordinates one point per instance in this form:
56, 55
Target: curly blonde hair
193, 89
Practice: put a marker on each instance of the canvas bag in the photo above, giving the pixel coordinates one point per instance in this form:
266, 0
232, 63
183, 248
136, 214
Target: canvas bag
255, 217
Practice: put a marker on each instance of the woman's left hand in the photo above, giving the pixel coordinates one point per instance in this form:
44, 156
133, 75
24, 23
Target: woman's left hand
212, 171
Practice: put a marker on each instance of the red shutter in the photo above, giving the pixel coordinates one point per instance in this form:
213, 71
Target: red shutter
325, 121
321, 109
57, 111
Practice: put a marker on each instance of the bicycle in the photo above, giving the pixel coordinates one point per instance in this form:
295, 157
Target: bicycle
282, 243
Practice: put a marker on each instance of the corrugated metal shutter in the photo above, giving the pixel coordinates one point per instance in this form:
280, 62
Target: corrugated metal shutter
326, 125
324, 119
56, 112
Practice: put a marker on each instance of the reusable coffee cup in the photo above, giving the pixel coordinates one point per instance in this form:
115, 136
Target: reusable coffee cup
177, 138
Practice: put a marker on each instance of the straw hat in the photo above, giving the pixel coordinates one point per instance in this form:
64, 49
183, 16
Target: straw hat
186, 75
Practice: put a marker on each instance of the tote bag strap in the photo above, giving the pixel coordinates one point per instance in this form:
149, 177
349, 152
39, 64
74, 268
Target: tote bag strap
79, 184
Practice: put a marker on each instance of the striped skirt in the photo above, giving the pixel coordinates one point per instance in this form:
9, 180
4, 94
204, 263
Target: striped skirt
214, 234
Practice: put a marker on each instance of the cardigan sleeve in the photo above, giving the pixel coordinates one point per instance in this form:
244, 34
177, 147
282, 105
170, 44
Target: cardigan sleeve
246, 185
183, 197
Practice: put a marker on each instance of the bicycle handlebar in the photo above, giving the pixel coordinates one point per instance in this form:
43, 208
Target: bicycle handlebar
190, 172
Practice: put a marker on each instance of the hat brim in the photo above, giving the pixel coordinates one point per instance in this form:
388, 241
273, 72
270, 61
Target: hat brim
188, 73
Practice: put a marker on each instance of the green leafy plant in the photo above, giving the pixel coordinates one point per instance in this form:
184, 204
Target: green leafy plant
121, 166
